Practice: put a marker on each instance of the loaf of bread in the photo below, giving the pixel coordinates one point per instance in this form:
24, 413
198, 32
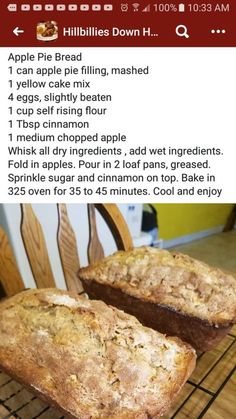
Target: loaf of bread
90, 360
170, 292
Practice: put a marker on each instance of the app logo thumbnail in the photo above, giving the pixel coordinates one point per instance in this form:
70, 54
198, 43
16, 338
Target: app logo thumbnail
47, 31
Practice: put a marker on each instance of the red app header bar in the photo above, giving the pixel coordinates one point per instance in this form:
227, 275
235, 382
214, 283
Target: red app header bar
118, 23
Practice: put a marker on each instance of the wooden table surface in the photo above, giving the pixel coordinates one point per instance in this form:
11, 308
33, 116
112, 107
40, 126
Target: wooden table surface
210, 393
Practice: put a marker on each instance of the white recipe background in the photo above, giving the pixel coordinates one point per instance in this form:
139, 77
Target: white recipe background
187, 100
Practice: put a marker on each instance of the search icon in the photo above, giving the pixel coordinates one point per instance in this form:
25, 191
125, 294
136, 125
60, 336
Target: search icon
181, 30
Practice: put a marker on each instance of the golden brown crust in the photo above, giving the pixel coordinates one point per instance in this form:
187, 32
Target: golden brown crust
89, 359
170, 279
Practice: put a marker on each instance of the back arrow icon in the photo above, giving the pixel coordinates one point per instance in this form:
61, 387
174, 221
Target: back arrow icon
17, 31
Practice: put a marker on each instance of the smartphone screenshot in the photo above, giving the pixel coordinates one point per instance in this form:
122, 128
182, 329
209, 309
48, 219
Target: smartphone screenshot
117, 209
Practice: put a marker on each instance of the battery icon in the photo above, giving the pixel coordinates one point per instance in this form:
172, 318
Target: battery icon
181, 7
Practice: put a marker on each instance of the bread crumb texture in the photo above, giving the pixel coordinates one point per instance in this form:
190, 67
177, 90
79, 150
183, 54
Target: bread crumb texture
171, 279
90, 359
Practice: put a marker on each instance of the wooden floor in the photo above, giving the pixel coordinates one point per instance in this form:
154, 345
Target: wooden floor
210, 392
217, 250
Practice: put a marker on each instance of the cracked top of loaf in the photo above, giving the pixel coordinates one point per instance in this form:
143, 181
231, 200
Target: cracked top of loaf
171, 279
89, 359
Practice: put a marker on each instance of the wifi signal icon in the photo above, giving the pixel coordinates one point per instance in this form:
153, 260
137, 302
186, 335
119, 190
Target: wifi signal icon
135, 6
147, 8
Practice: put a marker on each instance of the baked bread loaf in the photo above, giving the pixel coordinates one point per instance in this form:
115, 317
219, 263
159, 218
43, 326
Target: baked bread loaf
88, 359
169, 292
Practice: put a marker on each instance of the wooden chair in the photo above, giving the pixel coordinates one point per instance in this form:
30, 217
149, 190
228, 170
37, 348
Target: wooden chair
32, 234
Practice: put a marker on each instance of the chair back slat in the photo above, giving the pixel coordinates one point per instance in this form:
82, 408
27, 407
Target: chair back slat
10, 277
36, 249
117, 224
35, 246
68, 250
95, 249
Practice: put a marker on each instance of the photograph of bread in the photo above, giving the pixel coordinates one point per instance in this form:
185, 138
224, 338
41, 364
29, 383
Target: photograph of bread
117, 311
89, 359
170, 292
